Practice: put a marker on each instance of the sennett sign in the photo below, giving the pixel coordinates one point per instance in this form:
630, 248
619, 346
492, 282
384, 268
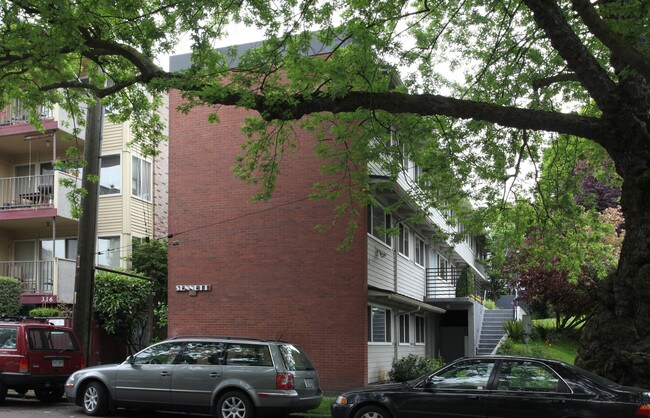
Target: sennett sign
193, 287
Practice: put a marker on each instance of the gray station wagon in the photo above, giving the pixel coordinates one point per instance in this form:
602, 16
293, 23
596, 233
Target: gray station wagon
226, 377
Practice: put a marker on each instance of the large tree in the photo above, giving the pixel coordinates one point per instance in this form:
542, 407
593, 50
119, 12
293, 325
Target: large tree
524, 71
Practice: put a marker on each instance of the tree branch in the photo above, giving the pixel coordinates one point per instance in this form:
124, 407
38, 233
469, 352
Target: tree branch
298, 106
593, 77
558, 78
621, 48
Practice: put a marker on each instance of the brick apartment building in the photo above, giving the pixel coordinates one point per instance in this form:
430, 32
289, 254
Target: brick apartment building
266, 271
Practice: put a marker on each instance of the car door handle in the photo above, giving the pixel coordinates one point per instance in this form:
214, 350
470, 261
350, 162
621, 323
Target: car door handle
165, 374
214, 374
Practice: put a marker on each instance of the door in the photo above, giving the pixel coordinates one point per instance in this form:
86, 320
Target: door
458, 391
197, 373
147, 379
530, 389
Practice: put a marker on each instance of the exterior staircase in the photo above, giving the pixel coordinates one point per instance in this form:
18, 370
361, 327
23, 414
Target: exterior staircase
492, 330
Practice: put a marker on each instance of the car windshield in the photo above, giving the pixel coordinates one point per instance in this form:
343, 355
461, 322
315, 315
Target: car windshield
593, 376
294, 358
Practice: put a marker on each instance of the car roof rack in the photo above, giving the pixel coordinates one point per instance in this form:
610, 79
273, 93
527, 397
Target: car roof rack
24, 319
218, 337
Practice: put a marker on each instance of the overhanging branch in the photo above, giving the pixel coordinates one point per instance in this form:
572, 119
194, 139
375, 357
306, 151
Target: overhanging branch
622, 49
426, 105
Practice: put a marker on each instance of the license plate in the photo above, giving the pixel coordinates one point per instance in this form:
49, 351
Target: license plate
309, 383
57, 363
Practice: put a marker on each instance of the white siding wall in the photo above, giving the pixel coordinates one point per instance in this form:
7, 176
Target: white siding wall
380, 267
380, 359
411, 278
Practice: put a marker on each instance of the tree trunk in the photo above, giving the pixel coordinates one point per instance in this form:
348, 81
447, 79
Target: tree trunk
616, 340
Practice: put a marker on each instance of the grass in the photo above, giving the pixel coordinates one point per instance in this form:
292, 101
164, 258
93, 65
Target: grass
324, 408
560, 347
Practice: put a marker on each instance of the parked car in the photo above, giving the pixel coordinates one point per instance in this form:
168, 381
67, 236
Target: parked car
36, 355
498, 387
227, 377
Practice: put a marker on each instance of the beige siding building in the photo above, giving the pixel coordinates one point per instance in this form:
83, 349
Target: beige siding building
38, 230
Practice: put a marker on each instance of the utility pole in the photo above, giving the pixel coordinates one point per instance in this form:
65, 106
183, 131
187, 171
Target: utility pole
84, 275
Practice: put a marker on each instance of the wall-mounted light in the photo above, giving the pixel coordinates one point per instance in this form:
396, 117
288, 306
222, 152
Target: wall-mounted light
379, 253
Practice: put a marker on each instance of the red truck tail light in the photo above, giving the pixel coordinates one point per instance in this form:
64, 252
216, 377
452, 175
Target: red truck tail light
23, 365
284, 381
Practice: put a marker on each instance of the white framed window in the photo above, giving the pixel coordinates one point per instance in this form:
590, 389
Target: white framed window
420, 327
404, 329
108, 251
404, 238
379, 325
141, 178
419, 251
65, 248
110, 175
378, 223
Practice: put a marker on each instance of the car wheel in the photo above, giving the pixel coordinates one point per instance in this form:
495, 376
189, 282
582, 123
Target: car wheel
54, 394
3, 392
372, 411
95, 399
234, 404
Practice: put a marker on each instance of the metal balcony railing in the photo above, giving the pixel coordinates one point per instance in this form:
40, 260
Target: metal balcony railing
27, 192
34, 276
454, 282
15, 112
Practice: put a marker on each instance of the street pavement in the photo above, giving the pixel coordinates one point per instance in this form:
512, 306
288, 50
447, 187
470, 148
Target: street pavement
30, 407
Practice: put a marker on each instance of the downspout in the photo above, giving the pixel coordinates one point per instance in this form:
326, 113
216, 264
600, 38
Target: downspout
395, 255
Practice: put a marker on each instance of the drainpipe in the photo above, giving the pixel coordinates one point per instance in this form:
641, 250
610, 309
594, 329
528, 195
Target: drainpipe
396, 342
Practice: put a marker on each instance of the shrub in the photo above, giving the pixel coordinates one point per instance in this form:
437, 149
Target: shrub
9, 296
489, 304
465, 284
413, 366
44, 312
514, 330
509, 348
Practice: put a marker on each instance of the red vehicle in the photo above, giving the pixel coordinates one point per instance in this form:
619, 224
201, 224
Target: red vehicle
36, 355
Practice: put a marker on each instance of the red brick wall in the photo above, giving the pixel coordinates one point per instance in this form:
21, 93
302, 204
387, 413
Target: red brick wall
273, 275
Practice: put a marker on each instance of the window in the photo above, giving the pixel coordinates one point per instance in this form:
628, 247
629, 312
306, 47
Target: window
108, 251
294, 358
379, 325
110, 175
404, 329
420, 330
65, 248
141, 178
48, 339
8, 338
158, 354
248, 355
378, 223
404, 237
209, 354
529, 377
419, 251
472, 374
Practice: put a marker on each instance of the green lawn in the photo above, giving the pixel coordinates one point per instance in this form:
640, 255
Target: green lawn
324, 408
561, 347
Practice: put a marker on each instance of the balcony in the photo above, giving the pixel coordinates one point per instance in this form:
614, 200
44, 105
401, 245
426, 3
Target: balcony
35, 196
42, 281
14, 121
15, 113
446, 283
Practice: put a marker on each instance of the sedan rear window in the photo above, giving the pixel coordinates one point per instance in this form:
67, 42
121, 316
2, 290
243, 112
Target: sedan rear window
294, 358
49, 339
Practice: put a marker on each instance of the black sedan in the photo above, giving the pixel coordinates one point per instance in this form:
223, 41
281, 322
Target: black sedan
498, 387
